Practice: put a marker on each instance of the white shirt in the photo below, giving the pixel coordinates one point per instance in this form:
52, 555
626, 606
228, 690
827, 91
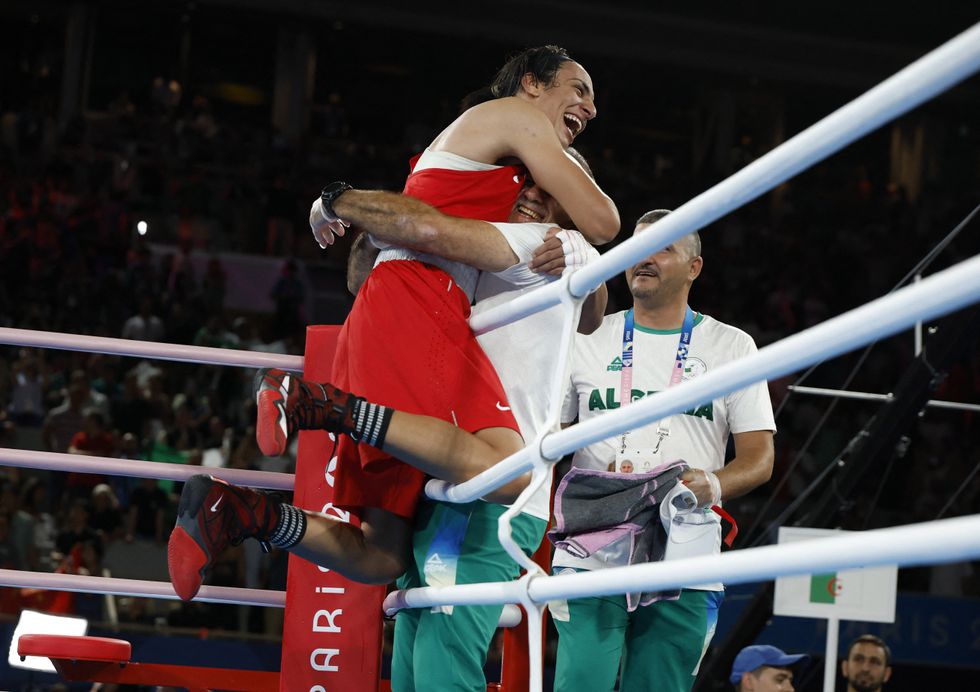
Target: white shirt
521, 352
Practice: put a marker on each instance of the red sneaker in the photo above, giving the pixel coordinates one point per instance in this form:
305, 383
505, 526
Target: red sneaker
287, 403
211, 516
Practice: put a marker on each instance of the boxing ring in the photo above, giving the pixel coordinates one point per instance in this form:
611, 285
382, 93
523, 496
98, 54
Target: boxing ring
946, 540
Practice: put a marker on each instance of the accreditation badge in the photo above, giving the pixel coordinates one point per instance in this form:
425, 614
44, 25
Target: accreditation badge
641, 459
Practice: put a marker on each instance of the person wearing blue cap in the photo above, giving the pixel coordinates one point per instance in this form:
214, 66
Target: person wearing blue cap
764, 668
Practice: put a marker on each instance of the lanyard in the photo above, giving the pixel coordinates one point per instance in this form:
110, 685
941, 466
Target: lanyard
676, 373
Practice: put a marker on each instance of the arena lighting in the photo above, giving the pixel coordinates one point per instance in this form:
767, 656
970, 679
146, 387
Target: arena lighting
33, 622
142, 227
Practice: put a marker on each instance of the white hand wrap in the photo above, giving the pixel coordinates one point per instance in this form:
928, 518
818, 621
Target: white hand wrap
319, 219
318, 215
578, 251
715, 487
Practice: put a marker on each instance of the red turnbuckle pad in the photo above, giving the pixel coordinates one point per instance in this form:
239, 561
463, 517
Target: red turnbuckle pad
74, 647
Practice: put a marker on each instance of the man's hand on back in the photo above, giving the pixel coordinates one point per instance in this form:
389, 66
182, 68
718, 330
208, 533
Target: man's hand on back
562, 250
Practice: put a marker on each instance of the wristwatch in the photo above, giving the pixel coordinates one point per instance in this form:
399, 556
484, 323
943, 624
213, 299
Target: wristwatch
332, 192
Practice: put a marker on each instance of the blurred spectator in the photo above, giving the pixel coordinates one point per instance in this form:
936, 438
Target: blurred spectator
65, 421
201, 122
147, 508
106, 517
33, 528
165, 95
7, 427
85, 559
182, 324
130, 410
213, 286
182, 435
105, 371
93, 440
198, 403
289, 295
280, 215
144, 326
8, 551
246, 454
77, 527
6, 382
142, 278
218, 436
94, 398
27, 395
250, 339
9, 497
214, 334
129, 447
156, 395
178, 274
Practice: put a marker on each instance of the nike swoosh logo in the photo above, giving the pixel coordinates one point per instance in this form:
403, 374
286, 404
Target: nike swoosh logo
502, 408
214, 507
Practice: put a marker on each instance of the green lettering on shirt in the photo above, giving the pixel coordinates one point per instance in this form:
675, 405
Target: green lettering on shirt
598, 402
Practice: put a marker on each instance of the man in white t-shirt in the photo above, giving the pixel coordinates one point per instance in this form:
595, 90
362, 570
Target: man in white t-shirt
659, 342
458, 544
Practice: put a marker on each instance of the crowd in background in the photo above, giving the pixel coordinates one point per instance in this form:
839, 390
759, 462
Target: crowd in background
72, 260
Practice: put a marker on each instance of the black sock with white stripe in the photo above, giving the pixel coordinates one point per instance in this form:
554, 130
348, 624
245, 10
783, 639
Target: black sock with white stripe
371, 422
290, 528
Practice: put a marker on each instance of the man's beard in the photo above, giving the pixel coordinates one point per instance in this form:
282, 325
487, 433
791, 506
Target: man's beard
861, 686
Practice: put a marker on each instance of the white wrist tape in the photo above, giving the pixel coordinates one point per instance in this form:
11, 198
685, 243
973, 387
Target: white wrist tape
715, 487
318, 215
578, 251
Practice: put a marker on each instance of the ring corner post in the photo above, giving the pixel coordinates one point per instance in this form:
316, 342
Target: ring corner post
332, 630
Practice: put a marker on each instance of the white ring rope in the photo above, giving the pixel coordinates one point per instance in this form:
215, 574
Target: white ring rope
137, 468
204, 355
137, 587
945, 540
228, 595
935, 72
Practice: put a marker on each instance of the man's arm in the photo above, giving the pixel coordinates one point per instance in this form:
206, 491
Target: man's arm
410, 223
751, 467
593, 310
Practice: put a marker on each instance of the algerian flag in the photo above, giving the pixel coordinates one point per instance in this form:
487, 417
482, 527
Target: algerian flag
824, 588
